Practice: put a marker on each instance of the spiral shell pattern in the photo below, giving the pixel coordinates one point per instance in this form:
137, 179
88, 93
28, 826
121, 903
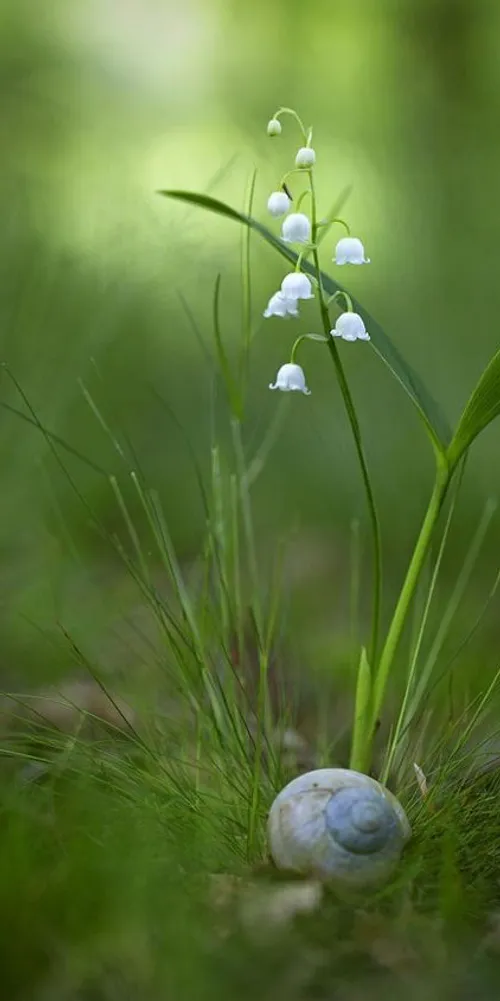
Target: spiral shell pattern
338, 824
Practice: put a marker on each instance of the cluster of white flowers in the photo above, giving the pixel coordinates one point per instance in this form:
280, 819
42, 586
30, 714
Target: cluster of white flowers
297, 229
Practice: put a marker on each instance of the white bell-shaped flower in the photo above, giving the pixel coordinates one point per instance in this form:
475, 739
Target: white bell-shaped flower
291, 379
306, 157
281, 305
296, 228
350, 327
278, 203
350, 250
296, 285
274, 127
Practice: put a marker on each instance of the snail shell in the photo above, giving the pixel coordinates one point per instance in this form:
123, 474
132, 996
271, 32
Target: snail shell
338, 824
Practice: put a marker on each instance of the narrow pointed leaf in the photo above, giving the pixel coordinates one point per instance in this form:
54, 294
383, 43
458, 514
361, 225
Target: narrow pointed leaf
223, 360
481, 410
429, 410
361, 714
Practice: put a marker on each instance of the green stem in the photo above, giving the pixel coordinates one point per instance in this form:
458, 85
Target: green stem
246, 286
284, 179
290, 111
301, 197
443, 477
300, 338
340, 293
299, 261
341, 222
361, 714
356, 432
409, 687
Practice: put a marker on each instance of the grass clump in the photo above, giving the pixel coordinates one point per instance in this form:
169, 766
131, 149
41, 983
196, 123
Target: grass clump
133, 846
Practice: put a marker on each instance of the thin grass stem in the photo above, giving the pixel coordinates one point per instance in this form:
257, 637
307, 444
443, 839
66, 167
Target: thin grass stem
393, 744
407, 591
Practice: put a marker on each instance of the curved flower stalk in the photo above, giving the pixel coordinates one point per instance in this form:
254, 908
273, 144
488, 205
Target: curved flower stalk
299, 228
354, 324
290, 377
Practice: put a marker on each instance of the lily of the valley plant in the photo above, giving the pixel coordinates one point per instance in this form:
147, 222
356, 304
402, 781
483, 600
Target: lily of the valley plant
305, 287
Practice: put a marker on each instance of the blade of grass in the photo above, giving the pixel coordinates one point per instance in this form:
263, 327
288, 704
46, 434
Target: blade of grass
393, 744
246, 287
257, 464
100, 418
54, 438
355, 561
466, 640
361, 727
233, 394
454, 601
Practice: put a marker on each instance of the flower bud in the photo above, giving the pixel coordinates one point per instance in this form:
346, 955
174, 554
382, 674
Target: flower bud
291, 379
296, 228
296, 285
350, 250
306, 157
278, 203
350, 327
274, 127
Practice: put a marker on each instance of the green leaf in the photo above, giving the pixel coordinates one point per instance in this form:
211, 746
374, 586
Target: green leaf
481, 410
429, 410
232, 394
361, 715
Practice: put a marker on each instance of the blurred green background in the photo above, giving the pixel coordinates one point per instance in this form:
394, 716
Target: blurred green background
105, 101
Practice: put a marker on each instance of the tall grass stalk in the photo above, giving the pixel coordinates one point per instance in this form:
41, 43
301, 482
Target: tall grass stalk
452, 604
404, 601
395, 737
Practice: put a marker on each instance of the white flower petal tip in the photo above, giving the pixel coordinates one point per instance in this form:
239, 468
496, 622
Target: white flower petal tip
278, 203
350, 250
296, 285
350, 327
306, 157
274, 127
281, 305
296, 228
291, 379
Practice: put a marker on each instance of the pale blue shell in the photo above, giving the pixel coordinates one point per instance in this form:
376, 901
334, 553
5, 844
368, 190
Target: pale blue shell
338, 824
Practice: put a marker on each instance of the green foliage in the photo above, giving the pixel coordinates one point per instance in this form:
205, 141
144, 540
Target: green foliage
428, 409
104, 880
106, 862
113, 885
482, 408
221, 353
362, 707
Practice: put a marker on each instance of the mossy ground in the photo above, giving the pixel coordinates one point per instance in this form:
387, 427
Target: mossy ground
108, 866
